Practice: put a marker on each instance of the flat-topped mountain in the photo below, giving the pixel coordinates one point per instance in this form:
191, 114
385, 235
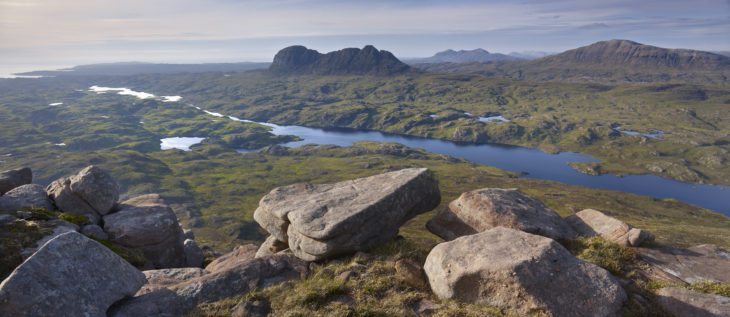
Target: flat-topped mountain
629, 53
350, 61
464, 56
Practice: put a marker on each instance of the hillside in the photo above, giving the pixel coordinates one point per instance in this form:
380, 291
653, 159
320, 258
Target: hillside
464, 56
350, 61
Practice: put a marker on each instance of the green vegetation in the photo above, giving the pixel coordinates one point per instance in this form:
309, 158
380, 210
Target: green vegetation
76, 219
722, 289
16, 236
604, 253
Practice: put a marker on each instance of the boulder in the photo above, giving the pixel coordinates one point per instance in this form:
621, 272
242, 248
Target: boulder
327, 220
241, 254
590, 222
271, 246
25, 197
59, 227
5, 218
504, 267
705, 262
15, 178
682, 302
193, 254
91, 191
94, 232
179, 299
256, 308
145, 223
70, 275
163, 278
483, 209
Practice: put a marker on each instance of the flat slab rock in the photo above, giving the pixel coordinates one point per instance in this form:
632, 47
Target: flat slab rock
705, 262
70, 275
483, 209
14, 178
322, 221
590, 222
682, 302
525, 272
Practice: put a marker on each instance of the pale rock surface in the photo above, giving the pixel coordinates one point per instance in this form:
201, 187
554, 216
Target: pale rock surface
590, 222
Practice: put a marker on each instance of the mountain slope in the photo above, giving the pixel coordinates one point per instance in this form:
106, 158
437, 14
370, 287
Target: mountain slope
464, 56
349, 61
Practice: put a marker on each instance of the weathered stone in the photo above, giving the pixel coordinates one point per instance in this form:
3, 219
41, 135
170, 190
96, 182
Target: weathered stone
704, 262
95, 232
15, 178
59, 227
240, 254
323, 221
510, 268
483, 209
256, 308
426, 307
163, 278
590, 222
410, 272
682, 302
193, 254
25, 197
70, 275
188, 233
179, 299
91, 192
5, 218
271, 246
145, 223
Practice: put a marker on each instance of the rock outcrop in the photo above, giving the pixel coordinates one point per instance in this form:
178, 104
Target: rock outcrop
92, 192
510, 268
146, 223
483, 209
590, 222
25, 197
349, 61
240, 255
70, 275
705, 262
15, 178
163, 278
323, 221
682, 302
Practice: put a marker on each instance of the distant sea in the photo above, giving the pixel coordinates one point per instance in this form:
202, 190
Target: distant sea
7, 71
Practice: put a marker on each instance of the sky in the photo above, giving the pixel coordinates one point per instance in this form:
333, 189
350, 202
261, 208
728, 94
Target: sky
48, 33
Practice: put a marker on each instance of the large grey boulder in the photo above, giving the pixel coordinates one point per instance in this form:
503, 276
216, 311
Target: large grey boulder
179, 299
25, 197
705, 262
681, 302
327, 220
70, 275
146, 223
91, 192
510, 268
590, 222
15, 178
483, 209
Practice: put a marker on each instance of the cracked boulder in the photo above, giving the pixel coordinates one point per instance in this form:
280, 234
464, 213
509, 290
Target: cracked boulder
92, 193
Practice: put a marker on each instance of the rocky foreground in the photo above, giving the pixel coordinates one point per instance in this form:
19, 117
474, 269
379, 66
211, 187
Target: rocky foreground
505, 253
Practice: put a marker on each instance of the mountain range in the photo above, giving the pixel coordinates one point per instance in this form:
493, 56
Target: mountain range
463, 56
349, 61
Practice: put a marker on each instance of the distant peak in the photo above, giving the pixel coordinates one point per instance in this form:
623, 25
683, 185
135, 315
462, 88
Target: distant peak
349, 61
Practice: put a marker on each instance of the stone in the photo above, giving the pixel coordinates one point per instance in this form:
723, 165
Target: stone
505, 267
193, 253
410, 272
94, 232
15, 178
25, 197
271, 246
91, 191
59, 227
426, 307
682, 302
240, 254
256, 308
163, 278
326, 220
145, 223
483, 209
70, 275
180, 299
188, 233
5, 218
346, 276
590, 222
705, 262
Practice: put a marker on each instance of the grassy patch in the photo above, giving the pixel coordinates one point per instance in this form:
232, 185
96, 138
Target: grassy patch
16, 236
606, 254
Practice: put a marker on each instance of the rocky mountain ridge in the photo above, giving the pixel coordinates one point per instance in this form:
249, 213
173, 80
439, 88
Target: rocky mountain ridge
464, 56
299, 60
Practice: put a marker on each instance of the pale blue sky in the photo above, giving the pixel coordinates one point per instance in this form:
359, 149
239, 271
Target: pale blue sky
69, 32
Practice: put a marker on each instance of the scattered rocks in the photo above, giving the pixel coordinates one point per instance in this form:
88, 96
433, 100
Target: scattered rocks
241, 254
70, 275
510, 268
483, 209
25, 197
145, 223
323, 221
94, 232
590, 222
704, 262
410, 272
193, 254
91, 192
271, 246
15, 178
682, 302
256, 308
